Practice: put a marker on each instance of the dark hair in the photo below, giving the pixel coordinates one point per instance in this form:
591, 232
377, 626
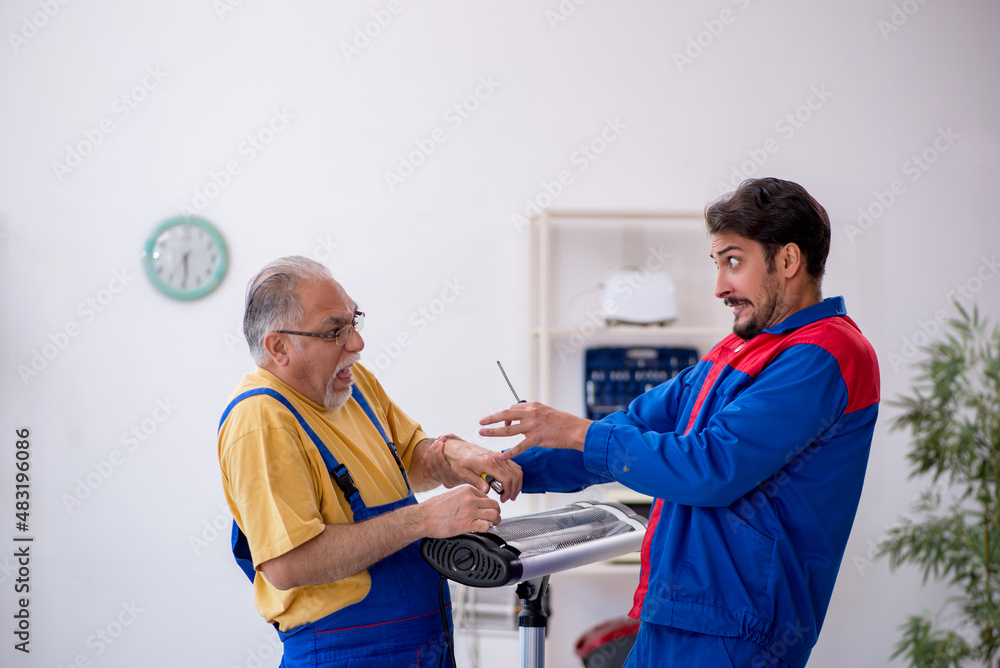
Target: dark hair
773, 213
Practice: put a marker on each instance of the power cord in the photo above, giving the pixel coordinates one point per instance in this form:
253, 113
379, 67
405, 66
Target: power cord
447, 630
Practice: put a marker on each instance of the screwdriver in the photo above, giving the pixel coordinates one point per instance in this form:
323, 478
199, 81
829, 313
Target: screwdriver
493, 482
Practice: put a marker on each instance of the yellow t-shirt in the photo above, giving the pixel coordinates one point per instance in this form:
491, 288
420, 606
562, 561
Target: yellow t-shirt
281, 494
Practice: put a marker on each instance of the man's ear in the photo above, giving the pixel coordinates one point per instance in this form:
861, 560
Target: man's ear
277, 348
790, 260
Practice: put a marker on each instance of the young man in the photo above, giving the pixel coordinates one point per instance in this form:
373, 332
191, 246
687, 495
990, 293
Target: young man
319, 467
756, 455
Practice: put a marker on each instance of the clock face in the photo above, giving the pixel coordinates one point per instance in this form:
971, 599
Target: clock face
185, 257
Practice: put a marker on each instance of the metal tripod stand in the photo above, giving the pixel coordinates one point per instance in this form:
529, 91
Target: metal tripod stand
532, 621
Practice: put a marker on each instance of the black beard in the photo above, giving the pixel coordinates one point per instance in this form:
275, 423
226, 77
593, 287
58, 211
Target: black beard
754, 325
763, 315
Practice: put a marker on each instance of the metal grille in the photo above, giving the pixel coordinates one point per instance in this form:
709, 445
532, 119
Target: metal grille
556, 529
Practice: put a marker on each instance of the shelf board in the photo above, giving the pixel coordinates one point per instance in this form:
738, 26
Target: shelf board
588, 214
635, 332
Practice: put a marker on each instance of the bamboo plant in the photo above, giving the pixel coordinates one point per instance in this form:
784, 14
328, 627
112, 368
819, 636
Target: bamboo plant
953, 533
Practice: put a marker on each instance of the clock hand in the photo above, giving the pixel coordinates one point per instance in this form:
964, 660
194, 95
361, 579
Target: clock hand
184, 280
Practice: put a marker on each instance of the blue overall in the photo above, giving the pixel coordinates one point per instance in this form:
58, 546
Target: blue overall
399, 623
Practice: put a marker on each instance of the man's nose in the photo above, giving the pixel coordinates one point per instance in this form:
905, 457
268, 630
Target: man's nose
722, 288
356, 343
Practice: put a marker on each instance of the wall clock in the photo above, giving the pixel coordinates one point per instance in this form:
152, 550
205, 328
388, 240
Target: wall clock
185, 257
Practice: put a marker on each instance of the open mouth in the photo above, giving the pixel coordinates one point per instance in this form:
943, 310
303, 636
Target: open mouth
344, 374
739, 306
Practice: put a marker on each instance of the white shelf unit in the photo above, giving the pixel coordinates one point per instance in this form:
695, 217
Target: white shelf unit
571, 254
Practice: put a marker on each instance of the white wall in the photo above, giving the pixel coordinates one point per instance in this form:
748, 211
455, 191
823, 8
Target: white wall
122, 562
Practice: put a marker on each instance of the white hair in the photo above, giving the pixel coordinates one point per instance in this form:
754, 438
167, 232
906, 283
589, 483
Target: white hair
273, 302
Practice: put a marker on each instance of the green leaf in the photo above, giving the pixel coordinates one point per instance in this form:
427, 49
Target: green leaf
923, 646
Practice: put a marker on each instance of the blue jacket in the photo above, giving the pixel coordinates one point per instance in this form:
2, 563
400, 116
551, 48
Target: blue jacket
756, 457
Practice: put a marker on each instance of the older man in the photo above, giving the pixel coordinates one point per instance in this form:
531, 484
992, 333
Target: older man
756, 455
319, 467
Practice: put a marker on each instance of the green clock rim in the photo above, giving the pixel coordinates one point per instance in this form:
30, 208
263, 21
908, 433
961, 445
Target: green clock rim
217, 275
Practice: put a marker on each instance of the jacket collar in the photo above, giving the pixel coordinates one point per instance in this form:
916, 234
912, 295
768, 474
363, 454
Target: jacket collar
829, 307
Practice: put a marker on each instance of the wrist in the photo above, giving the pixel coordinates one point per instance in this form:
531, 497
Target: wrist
424, 518
445, 438
413, 522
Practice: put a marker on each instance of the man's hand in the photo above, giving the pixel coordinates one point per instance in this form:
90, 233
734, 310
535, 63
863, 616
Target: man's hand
450, 461
458, 511
540, 425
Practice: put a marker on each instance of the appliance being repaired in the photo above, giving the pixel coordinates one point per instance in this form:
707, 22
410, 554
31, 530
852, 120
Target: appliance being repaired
530, 546
528, 549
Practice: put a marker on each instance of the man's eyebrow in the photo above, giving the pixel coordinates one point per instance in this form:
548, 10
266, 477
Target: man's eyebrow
337, 320
341, 320
723, 251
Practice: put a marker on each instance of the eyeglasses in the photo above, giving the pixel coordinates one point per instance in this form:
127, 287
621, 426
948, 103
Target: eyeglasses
356, 326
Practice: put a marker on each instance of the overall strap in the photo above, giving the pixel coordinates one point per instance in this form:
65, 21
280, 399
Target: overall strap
339, 473
360, 398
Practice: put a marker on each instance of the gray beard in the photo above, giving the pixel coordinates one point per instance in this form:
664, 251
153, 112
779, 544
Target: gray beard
335, 400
